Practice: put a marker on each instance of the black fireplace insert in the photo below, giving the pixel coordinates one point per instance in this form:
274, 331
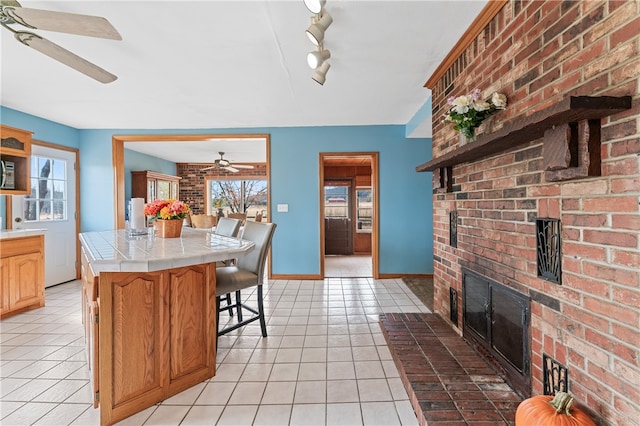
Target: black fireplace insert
496, 319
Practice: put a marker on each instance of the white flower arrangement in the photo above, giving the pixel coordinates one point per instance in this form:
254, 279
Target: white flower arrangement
468, 111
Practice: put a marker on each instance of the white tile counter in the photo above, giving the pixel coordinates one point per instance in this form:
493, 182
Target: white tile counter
118, 251
6, 234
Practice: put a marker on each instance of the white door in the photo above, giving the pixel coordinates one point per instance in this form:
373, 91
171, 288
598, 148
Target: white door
51, 205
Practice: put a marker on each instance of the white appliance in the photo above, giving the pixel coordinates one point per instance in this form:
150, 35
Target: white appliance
8, 175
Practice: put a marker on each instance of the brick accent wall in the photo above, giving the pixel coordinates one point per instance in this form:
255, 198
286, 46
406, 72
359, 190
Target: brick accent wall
192, 185
537, 53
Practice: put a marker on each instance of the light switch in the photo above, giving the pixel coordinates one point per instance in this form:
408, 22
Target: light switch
283, 208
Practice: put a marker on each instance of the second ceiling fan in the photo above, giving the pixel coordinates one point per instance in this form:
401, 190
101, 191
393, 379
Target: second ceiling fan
223, 163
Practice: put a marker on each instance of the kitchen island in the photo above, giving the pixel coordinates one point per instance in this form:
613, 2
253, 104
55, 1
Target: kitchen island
149, 313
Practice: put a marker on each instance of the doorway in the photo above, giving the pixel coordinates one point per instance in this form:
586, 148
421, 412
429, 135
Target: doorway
348, 214
52, 204
118, 147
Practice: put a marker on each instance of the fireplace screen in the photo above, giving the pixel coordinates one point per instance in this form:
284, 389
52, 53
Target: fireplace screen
548, 249
497, 319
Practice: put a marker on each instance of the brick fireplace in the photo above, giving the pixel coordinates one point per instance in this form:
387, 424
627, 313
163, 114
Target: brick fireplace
547, 157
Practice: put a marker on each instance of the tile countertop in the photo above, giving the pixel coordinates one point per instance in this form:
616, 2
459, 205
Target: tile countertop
119, 251
6, 234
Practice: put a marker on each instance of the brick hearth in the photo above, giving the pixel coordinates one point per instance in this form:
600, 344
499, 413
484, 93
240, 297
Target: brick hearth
448, 382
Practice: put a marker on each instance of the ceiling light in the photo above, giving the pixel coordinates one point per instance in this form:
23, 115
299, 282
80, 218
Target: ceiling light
317, 57
321, 73
315, 6
315, 32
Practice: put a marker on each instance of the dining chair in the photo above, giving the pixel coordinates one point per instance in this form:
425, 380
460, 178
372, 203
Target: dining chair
227, 227
203, 220
247, 272
241, 216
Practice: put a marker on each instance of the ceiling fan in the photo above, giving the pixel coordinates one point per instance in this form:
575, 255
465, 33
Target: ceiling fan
222, 163
94, 26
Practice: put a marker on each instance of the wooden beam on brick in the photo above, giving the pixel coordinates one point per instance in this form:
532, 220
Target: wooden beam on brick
572, 109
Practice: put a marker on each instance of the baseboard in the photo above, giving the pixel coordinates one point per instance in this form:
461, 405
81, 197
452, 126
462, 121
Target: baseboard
295, 277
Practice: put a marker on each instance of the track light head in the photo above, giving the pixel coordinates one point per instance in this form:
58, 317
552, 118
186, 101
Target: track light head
317, 57
314, 6
321, 72
316, 30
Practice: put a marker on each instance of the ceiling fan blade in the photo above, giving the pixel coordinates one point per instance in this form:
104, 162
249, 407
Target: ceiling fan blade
10, 3
231, 169
209, 168
87, 25
61, 54
242, 166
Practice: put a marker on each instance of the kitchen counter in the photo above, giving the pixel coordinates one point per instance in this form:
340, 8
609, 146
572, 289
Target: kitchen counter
6, 234
149, 310
119, 251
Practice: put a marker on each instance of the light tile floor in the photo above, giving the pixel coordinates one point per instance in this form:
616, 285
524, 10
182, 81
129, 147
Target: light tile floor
325, 362
347, 266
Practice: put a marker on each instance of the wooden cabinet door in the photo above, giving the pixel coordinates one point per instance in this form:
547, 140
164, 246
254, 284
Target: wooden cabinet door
4, 285
133, 347
174, 190
93, 350
27, 285
192, 330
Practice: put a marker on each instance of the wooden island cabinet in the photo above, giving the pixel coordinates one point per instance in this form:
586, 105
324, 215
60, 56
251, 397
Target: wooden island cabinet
21, 271
150, 320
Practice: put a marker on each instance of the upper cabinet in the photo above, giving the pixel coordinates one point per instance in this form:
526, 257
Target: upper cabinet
15, 153
152, 185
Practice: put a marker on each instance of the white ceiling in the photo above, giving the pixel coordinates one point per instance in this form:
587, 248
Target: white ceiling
236, 64
237, 150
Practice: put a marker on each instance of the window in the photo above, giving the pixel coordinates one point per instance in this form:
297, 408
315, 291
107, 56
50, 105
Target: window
237, 196
336, 200
48, 198
364, 209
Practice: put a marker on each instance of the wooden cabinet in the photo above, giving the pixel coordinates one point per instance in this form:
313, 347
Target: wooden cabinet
22, 272
90, 320
154, 338
15, 150
152, 185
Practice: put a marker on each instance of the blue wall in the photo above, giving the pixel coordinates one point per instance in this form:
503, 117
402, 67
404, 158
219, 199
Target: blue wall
406, 235
43, 130
134, 161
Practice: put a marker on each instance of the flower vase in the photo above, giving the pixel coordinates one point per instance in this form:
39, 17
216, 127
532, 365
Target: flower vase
171, 228
464, 139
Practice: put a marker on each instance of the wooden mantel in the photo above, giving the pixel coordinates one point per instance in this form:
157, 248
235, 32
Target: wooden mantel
571, 110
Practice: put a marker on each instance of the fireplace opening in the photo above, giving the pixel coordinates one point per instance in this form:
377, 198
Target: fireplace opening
496, 320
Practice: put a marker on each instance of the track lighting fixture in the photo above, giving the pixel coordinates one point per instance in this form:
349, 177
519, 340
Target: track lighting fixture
315, 6
317, 57
316, 30
321, 72
320, 21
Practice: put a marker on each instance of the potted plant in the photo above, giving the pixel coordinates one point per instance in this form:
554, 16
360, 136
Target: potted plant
468, 112
167, 216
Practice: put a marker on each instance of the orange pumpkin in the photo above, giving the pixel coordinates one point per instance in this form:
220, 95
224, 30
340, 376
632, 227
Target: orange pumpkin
547, 410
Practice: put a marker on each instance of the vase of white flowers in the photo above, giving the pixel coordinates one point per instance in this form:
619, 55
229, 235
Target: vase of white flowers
468, 112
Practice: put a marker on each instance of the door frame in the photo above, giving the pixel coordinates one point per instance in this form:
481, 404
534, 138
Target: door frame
9, 199
375, 238
118, 162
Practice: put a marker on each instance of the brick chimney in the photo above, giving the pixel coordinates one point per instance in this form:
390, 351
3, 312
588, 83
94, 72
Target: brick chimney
539, 54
